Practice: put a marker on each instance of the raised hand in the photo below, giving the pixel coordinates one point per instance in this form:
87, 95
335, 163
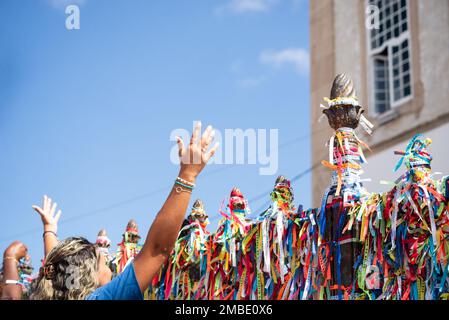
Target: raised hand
195, 156
16, 250
164, 230
48, 214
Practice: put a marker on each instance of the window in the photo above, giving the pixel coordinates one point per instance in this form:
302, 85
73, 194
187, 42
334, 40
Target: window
381, 86
401, 70
390, 55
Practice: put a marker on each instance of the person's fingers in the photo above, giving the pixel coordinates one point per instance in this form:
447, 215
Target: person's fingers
22, 250
180, 146
49, 202
38, 210
209, 140
205, 137
53, 209
212, 151
45, 203
57, 216
19, 246
196, 133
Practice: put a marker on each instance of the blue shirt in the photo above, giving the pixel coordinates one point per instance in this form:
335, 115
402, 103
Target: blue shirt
122, 287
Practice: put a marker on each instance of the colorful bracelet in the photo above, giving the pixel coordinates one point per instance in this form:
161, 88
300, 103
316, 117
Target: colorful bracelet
184, 185
188, 183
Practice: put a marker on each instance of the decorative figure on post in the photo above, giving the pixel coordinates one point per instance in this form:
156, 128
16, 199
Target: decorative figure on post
267, 248
346, 191
128, 248
226, 248
417, 247
188, 261
104, 243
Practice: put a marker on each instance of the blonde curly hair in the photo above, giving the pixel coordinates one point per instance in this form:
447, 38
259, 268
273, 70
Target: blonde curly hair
69, 272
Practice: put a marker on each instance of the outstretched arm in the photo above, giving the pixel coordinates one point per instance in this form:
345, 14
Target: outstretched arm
11, 289
50, 221
164, 230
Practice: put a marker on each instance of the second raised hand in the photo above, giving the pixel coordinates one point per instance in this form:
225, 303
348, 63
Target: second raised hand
48, 214
195, 156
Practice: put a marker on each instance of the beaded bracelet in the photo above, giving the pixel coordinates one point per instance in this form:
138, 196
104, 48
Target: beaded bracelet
184, 185
191, 184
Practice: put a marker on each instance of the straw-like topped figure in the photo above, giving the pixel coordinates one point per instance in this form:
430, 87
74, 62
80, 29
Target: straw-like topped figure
267, 242
128, 248
104, 244
226, 248
189, 257
346, 191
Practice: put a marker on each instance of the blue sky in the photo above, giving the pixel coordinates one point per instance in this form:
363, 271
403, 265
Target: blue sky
86, 115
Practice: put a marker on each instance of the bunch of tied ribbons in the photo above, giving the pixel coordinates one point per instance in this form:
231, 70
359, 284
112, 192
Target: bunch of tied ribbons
179, 278
268, 259
404, 233
224, 261
358, 245
127, 249
204, 265
394, 244
26, 276
335, 244
345, 160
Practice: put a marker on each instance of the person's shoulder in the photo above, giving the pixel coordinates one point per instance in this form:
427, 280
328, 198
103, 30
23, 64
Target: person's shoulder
100, 293
122, 287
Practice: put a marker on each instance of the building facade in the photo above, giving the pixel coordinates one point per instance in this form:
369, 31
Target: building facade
400, 68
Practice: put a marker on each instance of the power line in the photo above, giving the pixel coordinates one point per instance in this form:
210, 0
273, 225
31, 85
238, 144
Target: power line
283, 145
264, 194
91, 213
294, 179
147, 195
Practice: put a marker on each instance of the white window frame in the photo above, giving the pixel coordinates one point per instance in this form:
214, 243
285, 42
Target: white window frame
389, 44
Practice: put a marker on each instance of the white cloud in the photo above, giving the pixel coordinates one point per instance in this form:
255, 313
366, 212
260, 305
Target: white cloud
297, 57
62, 4
243, 6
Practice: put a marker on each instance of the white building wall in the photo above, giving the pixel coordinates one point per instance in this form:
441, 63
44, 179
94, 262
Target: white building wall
434, 56
348, 37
